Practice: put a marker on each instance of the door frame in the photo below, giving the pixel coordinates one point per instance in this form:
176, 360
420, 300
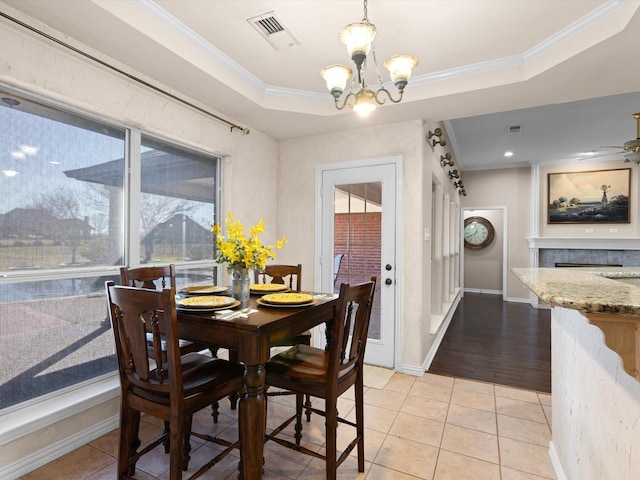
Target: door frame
395, 160
505, 266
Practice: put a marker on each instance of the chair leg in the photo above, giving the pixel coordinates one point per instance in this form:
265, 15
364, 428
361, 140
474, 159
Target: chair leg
298, 427
129, 441
233, 400
186, 450
215, 413
331, 433
359, 397
307, 406
177, 435
167, 442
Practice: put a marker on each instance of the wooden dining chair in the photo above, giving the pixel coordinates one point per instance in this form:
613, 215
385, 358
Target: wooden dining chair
172, 389
281, 274
157, 278
286, 275
328, 373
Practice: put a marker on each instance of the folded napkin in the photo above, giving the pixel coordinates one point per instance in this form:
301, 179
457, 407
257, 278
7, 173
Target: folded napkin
231, 314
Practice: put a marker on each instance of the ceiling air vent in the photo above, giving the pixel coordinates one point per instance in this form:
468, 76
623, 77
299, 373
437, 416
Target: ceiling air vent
514, 129
270, 27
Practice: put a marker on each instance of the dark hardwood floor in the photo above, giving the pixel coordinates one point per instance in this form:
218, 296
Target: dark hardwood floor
499, 342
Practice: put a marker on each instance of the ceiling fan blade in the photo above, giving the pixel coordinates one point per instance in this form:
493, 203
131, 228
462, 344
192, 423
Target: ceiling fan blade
632, 157
611, 146
590, 157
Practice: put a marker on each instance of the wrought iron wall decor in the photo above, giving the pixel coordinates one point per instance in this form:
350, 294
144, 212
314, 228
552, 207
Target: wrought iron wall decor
437, 138
436, 133
446, 160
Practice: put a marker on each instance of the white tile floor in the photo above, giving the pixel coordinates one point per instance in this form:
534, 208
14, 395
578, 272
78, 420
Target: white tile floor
430, 427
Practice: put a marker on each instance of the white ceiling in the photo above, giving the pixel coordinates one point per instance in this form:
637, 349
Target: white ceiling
567, 71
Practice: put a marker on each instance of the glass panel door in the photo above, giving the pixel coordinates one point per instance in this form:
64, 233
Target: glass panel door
358, 234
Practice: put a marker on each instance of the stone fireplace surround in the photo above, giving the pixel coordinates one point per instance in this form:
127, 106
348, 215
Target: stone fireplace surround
585, 251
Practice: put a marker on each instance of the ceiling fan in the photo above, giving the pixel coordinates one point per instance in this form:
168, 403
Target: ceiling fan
630, 149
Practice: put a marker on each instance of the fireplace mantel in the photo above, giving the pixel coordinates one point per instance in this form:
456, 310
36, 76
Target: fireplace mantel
584, 243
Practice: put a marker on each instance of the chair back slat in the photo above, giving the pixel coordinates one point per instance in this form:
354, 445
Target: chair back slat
281, 274
350, 328
157, 277
134, 312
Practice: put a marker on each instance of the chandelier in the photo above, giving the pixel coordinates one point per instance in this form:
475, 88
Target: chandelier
358, 37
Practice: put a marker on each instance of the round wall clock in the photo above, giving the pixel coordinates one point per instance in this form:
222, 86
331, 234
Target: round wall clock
478, 232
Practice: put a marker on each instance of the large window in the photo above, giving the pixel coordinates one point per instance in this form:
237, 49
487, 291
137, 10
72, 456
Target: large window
69, 217
177, 204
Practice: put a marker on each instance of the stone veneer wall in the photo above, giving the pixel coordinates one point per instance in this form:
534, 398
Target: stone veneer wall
549, 257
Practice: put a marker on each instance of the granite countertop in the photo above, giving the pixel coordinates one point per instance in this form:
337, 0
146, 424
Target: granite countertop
589, 290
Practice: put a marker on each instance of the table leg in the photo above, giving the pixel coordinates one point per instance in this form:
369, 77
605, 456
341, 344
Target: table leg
252, 412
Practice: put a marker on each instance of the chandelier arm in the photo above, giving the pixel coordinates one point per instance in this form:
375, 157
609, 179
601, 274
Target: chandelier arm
350, 95
380, 101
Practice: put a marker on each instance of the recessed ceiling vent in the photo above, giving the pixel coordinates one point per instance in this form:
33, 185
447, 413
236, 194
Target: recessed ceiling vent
270, 27
514, 129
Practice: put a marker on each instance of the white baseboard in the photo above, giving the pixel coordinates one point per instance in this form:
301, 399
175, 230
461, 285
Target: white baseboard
555, 463
35, 460
45, 412
418, 370
439, 335
482, 290
518, 300
412, 370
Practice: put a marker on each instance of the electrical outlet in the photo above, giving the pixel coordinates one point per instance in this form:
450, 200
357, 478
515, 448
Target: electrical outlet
589, 230
613, 230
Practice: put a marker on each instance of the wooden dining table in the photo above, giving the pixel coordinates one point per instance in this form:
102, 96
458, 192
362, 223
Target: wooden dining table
252, 338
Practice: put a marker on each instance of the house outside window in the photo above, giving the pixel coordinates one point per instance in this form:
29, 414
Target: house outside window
80, 198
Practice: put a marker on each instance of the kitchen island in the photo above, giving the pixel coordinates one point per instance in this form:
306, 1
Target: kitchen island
595, 387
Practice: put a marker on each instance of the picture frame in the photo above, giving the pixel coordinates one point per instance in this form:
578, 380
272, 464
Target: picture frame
593, 196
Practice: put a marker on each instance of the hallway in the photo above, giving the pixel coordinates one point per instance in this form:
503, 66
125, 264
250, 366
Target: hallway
498, 342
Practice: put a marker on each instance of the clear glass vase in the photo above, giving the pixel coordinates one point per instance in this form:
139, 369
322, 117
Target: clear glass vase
240, 285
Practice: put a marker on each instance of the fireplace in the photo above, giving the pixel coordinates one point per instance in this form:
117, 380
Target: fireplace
585, 252
567, 257
585, 265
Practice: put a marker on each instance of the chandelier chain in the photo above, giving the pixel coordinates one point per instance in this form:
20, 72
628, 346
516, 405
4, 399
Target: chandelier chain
365, 19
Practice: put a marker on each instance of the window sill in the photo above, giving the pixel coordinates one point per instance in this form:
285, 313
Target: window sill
39, 413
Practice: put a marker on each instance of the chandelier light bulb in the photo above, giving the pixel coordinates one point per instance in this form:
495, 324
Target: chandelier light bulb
365, 102
358, 38
400, 67
336, 77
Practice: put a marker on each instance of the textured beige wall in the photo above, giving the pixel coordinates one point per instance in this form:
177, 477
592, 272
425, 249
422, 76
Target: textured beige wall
483, 267
297, 170
509, 188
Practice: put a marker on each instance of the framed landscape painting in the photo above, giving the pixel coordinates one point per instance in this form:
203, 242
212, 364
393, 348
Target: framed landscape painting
596, 196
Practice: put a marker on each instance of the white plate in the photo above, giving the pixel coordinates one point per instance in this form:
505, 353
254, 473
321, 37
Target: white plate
203, 289
285, 305
205, 301
265, 288
205, 310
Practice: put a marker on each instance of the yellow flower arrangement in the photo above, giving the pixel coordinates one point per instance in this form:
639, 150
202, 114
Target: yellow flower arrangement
240, 252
